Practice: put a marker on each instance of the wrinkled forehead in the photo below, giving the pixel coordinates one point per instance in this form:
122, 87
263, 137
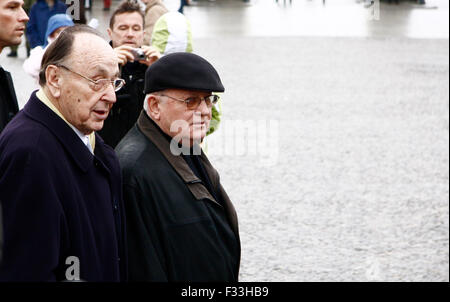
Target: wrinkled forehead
92, 53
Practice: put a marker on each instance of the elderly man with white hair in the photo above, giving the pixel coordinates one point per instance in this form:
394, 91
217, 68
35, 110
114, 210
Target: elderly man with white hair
181, 224
60, 184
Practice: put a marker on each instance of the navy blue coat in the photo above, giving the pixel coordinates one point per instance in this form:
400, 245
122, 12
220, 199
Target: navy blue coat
58, 201
40, 12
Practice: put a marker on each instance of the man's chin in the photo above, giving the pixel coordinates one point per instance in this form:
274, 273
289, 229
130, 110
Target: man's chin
198, 139
15, 41
97, 126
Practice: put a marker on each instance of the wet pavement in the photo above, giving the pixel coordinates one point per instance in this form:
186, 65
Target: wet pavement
335, 18
334, 144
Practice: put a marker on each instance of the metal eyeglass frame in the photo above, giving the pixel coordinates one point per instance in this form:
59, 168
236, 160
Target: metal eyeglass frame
186, 101
97, 82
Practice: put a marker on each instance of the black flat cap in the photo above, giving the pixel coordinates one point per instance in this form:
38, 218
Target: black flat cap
182, 70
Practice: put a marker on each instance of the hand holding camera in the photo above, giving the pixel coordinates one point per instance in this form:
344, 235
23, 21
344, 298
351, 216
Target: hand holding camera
144, 55
151, 55
138, 54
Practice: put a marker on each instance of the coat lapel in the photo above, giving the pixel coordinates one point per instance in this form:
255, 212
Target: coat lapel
215, 179
38, 111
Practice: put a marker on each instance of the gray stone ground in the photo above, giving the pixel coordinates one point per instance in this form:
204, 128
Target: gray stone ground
349, 177
359, 190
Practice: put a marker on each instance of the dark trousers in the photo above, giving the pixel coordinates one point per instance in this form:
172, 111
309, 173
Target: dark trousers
182, 4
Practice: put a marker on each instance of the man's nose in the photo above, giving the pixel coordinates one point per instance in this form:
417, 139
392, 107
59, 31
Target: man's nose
109, 94
23, 17
203, 108
130, 32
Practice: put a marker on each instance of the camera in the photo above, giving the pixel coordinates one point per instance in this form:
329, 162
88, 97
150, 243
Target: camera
138, 54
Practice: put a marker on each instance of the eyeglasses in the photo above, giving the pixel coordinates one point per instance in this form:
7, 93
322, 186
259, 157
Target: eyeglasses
101, 84
194, 102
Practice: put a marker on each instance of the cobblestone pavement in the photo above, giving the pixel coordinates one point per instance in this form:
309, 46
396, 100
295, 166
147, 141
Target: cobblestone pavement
335, 140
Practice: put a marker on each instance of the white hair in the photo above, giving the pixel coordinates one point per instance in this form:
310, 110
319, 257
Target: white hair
146, 99
146, 102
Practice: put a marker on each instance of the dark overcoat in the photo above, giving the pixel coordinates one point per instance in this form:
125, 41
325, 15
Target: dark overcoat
8, 100
176, 229
58, 201
130, 99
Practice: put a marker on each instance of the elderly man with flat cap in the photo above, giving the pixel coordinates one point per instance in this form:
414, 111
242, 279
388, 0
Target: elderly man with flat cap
181, 225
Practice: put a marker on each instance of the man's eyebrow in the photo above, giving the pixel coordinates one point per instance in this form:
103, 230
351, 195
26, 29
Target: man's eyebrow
15, 2
100, 70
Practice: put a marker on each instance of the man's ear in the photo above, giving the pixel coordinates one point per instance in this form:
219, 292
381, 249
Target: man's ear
109, 33
153, 107
53, 80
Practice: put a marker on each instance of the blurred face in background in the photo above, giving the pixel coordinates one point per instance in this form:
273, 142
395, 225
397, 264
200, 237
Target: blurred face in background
54, 35
12, 22
128, 29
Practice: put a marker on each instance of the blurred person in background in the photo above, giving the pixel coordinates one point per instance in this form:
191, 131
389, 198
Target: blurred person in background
13, 53
12, 27
40, 13
154, 9
56, 24
126, 31
106, 5
183, 3
172, 32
